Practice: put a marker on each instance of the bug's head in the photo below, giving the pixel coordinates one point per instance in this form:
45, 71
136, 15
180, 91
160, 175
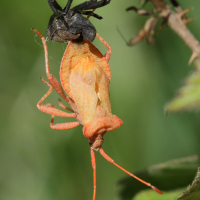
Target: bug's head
96, 141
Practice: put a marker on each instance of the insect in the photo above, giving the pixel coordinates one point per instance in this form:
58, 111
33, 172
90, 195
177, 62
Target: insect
85, 77
69, 24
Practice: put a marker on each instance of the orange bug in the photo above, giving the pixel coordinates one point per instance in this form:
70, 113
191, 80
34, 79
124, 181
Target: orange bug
85, 77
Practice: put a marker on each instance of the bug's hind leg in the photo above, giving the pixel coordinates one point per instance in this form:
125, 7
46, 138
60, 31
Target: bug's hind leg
94, 172
63, 126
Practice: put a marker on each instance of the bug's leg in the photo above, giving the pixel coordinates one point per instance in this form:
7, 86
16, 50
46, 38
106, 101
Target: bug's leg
82, 6
98, 4
55, 7
92, 4
67, 7
54, 82
91, 13
63, 126
109, 159
108, 53
63, 106
94, 172
48, 108
140, 11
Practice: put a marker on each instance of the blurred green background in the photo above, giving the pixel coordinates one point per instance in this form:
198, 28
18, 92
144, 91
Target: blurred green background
38, 163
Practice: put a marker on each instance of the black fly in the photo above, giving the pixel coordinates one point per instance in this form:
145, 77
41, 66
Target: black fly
69, 24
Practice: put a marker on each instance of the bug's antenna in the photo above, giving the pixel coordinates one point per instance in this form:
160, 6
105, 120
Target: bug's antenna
122, 35
109, 159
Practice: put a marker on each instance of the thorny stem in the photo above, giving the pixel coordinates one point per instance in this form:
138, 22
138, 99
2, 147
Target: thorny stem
176, 23
179, 27
159, 4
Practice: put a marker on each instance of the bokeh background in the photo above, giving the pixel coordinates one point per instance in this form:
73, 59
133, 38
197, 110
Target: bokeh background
38, 163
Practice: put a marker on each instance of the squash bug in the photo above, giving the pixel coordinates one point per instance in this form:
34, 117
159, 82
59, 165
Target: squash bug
85, 77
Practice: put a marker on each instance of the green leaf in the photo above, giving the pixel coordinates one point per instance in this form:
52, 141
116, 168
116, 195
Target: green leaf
188, 97
151, 195
193, 191
171, 175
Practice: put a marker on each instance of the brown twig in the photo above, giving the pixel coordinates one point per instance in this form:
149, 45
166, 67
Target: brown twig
176, 22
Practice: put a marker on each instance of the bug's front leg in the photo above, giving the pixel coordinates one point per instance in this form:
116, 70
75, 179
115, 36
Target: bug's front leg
108, 53
54, 82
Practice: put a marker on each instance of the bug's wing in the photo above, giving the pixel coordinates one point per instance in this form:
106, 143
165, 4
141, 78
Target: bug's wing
103, 89
82, 87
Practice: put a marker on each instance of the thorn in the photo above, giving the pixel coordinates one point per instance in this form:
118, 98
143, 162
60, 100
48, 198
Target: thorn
132, 8
194, 55
197, 65
182, 13
164, 22
150, 39
186, 21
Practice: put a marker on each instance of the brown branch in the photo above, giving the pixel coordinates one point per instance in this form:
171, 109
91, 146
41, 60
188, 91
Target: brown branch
176, 22
159, 4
